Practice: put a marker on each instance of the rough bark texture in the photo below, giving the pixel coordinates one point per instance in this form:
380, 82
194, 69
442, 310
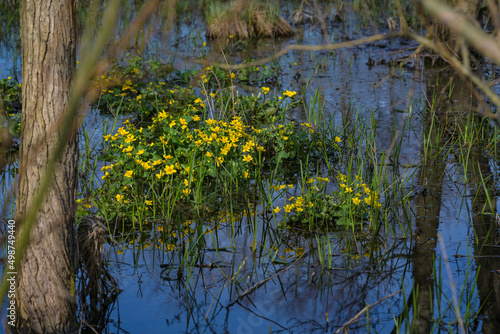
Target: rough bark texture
46, 300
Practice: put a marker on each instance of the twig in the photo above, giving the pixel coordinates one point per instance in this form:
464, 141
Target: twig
462, 70
257, 285
365, 310
297, 47
476, 37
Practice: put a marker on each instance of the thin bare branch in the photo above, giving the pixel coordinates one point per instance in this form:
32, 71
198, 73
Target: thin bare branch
296, 47
458, 23
355, 318
460, 68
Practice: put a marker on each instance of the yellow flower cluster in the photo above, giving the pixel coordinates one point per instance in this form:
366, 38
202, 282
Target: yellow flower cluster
281, 187
298, 204
359, 191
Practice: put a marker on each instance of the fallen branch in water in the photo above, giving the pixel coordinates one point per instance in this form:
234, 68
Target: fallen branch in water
355, 318
258, 284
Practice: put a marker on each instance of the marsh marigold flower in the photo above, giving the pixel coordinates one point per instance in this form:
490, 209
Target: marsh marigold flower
170, 169
129, 173
290, 93
289, 207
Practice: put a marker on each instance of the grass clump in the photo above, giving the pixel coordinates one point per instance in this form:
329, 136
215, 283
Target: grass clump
185, 159
352, 204
243, 19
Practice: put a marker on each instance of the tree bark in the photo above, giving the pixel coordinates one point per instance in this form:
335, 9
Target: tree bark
45, 294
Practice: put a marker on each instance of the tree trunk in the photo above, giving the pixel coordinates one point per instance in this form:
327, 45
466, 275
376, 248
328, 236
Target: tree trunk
45, 294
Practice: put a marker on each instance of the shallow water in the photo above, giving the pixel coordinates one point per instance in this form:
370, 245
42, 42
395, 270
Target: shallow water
448, 231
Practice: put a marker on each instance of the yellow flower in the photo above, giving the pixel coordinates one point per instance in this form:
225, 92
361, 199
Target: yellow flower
119, 198
368, 200
348, 190
265, 90
219, 161
290, 93
170, 170
231, 36
130, 138
247, 175
356, 200
337, 139
247, 158
196, 118
277, 209
289, 207
208, 154
140, 152
186, 191
129, 173
149, 202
